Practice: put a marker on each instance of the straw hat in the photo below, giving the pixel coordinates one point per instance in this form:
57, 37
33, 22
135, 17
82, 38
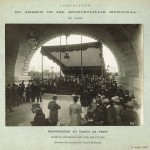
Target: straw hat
115, 99
105, 100
102, 97
130, 104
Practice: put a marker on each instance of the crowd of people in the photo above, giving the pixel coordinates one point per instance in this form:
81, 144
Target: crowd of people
51, 85
18, 94
102, 102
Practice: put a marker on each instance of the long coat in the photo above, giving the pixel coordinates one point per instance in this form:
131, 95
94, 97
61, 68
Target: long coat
75, 111
53, 106
8, 97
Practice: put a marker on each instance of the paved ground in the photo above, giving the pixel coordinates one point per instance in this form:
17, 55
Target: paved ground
23, 114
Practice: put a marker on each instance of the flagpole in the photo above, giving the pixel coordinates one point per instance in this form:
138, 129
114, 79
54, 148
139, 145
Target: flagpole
102, 62
60, 62
42, 67
101, 59
81, 61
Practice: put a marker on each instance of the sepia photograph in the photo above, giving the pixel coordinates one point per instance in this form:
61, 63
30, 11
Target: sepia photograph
74, 74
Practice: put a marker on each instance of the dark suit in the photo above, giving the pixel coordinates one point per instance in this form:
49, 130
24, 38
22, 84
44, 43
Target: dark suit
111, 116
130, 118
8, 98
85, 99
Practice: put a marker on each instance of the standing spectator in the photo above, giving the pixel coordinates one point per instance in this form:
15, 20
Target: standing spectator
53, 107
24, 95
23, 91
99, 114
28, 94
32, 92
38, 92
118, 108
17, 94
127, 97
14, 94
20, 94
75, 111
22, 84
85, 100
130, 117
110, 113
9, 98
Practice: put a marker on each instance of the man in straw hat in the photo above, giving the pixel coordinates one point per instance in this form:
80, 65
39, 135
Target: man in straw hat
53, 107
119, 109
